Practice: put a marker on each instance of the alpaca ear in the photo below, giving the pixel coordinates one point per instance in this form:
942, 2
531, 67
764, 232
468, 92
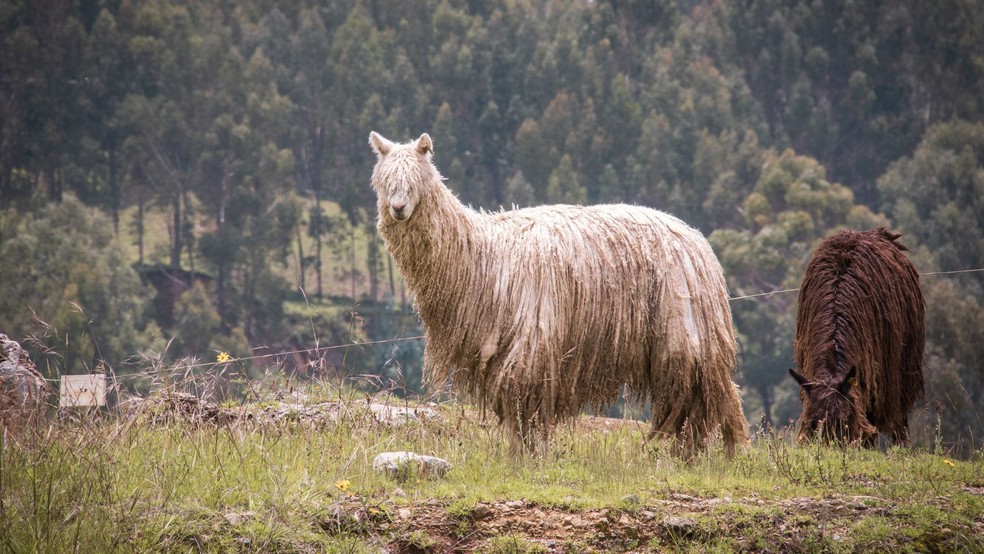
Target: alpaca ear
379, 144
850, 380
424, 144
803, 381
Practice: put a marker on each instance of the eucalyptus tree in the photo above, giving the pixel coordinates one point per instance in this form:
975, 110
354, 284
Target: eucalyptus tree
299, 53
41, 91
856, 84
370, 80
109, 79
164, 113
245, 182
937, 195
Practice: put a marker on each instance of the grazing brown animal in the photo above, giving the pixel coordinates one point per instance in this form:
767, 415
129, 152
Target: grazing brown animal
859, 339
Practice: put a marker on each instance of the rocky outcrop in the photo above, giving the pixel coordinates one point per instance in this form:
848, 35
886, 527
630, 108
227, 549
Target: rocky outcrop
23, 390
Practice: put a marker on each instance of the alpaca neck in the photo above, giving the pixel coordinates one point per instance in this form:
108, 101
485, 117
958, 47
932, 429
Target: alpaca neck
434, 244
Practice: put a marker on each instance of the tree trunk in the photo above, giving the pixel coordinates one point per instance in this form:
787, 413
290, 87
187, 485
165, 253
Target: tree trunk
372, 259
189, 228
392, 282
115, 199
300, 260
313, 166
220, 281
176, 244
352, 261
319, 246
54, 183
140, 225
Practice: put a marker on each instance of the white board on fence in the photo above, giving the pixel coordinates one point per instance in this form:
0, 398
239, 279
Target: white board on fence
83, 390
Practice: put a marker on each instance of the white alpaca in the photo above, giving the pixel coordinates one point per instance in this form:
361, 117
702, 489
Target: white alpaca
540, 312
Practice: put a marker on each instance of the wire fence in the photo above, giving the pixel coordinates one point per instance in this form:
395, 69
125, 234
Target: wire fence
774, 292
319, 349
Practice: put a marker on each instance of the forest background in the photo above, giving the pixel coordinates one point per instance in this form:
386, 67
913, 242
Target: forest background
183, 178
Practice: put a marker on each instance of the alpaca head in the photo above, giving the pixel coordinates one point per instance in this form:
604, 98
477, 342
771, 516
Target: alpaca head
401, 172
833, 410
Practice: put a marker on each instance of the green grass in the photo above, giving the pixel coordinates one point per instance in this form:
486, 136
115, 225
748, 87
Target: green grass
118, 482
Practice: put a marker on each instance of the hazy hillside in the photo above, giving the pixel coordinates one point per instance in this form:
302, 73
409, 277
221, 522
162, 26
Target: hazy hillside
183, 178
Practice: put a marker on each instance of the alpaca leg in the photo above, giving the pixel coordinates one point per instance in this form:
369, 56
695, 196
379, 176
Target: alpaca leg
519, 435
692, 430
734, 428
527, 436
666, 423
680, 431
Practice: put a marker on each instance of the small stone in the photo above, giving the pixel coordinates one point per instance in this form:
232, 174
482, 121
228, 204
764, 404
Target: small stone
631, 499
680, 526
404, 514
235, 518
481, 512
398, 492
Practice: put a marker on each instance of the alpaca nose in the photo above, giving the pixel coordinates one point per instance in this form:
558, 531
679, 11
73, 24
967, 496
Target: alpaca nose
398, 206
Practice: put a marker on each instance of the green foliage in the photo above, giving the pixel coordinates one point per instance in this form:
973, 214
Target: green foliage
66, 285
196, 321
853, 83
937, 195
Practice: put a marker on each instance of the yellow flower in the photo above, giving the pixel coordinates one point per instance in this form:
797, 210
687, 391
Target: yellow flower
223, 357
949, 462
343, 484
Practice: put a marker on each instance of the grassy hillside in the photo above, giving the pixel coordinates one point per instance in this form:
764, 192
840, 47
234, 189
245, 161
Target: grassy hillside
290, 471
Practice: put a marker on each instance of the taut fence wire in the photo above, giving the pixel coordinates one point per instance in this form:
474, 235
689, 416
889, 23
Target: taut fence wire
419, 337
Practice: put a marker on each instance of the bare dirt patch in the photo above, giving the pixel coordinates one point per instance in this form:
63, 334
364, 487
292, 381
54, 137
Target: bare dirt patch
679, 521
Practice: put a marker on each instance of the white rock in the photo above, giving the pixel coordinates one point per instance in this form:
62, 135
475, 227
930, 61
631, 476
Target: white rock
400, 415
401, 463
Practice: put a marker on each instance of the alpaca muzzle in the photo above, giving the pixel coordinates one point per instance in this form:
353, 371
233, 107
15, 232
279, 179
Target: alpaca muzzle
400, 207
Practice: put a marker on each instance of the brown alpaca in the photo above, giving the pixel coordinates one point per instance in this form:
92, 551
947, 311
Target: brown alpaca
539, 312
859, 339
